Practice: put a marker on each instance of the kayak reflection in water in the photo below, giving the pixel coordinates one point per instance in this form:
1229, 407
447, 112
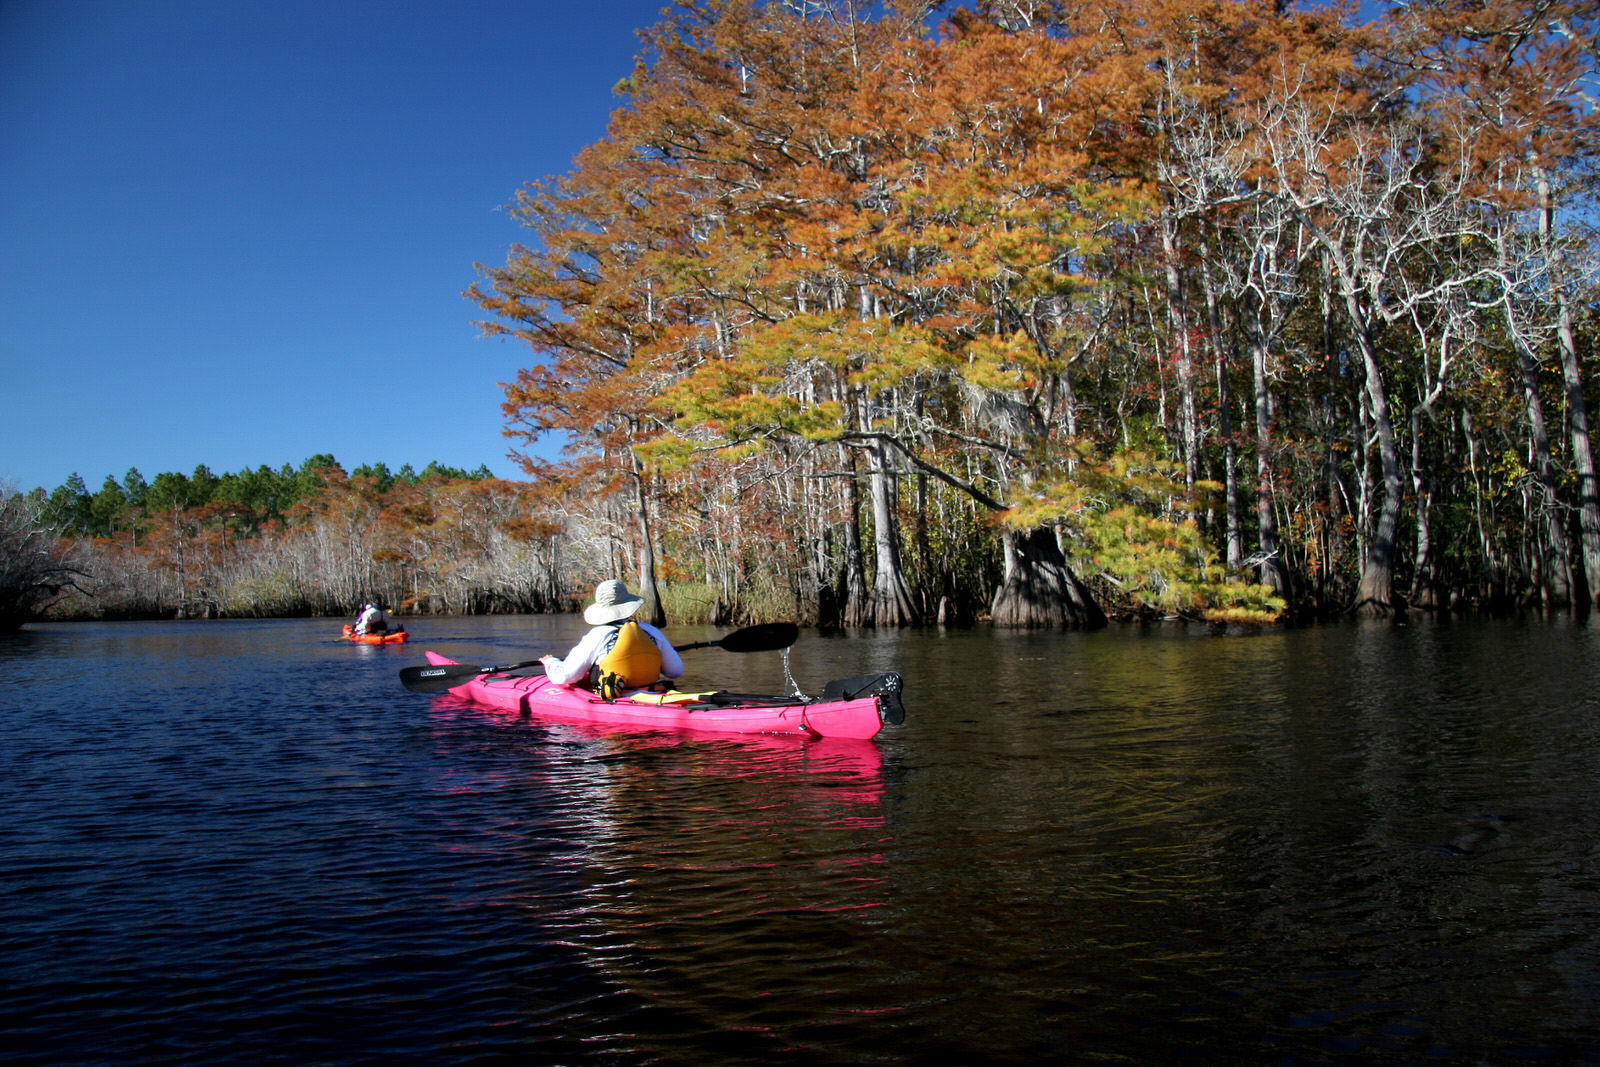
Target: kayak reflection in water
620, 652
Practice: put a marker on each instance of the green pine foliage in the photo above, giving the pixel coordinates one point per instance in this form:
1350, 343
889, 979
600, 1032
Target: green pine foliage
251, 497
1135, 520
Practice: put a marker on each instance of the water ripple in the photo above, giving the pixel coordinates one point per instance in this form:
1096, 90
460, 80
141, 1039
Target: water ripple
1329, 845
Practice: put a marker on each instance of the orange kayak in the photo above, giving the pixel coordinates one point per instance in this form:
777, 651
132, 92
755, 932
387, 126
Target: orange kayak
393, 637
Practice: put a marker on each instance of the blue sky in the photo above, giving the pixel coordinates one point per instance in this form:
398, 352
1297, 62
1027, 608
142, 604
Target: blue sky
237, 233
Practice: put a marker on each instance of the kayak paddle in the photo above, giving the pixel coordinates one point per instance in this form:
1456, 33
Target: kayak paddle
765, 637
437, 678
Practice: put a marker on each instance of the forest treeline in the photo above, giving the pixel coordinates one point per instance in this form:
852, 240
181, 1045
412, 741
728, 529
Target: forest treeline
314, 539
306, 540
1028, 310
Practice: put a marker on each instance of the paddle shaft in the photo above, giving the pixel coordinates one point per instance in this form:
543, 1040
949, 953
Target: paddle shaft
437, 678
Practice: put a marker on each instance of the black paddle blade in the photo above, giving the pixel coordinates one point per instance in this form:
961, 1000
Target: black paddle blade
767, 637
439, 678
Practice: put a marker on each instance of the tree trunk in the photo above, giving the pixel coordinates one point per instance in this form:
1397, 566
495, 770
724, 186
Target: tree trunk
1234, 536
1274, 574
1493, 587
1039, 590
1182, 342
652, 611
1424, 580
1555, 555
891, 598
1577, 412
857, 608
1336, 495
1376, 593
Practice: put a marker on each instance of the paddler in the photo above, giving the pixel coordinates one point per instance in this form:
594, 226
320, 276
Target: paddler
619, 652
373, 619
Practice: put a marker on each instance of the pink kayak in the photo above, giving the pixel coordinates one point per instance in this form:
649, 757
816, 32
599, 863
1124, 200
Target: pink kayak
847, 710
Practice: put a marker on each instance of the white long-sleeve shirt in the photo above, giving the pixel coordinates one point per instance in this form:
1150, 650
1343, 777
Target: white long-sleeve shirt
371, 617
574, 667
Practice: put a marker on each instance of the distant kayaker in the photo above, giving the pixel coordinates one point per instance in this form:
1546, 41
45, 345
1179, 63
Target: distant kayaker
622, 652
372, 620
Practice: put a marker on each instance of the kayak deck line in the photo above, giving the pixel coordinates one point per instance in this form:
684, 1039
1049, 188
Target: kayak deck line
861, 714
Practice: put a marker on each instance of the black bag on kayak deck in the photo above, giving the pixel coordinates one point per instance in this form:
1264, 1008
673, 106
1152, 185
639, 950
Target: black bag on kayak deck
887, 687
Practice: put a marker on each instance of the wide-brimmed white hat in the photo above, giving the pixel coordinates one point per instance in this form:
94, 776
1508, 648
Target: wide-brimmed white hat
612, 603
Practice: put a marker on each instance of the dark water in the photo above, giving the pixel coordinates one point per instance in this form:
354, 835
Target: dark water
244, 842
